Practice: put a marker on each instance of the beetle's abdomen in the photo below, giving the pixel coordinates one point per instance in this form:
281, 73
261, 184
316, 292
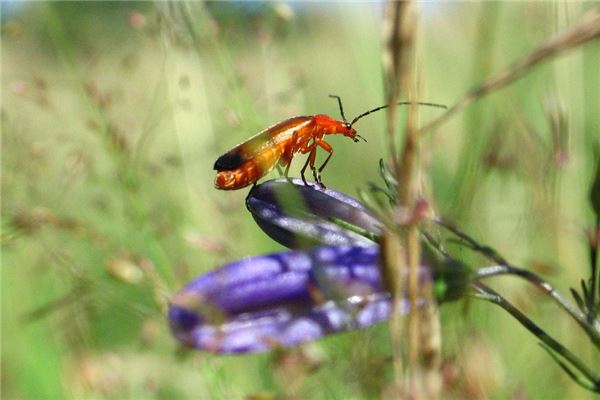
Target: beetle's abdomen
249, 171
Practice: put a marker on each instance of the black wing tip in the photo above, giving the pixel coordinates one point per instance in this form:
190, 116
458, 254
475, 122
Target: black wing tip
228, 161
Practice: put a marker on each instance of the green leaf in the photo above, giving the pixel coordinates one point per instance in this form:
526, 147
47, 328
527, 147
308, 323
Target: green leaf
578, 299
595, 189
580, 380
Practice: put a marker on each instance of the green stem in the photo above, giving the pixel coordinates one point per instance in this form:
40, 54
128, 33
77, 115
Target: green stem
505, 268
545, 287
594, 278
488, 294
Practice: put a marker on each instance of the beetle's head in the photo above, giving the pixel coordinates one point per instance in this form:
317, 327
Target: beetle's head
347, 130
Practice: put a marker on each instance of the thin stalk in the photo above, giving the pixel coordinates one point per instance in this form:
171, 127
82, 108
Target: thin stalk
505, 268
488, 294
594, 274
588, 28
400, 34
393, 266
397, 60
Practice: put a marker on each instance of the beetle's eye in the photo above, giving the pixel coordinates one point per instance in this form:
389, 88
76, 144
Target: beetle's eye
347, 125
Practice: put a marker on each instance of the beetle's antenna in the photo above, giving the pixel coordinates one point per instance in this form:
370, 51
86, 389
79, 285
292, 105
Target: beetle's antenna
404, 103
341, 108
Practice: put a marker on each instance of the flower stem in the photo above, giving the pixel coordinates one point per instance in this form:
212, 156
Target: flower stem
506, 269
488, 294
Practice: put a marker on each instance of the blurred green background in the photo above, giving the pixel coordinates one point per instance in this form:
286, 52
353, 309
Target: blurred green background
114, 113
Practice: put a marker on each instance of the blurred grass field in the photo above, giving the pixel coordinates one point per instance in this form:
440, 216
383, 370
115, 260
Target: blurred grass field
113, 115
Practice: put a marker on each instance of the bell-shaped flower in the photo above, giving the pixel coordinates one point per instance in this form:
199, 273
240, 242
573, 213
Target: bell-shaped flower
300, 216
285, 299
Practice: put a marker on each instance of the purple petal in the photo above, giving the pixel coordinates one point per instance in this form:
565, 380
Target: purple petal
300, 216
282, 300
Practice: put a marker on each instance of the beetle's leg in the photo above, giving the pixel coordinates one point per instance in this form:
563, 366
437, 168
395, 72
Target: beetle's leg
327, 147
310, 160
314, 169
312, 157
302, 171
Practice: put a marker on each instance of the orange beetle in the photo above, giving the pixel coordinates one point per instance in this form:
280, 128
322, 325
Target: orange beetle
249, 161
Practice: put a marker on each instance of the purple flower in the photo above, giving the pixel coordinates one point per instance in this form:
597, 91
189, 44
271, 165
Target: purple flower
300, 216
281, 300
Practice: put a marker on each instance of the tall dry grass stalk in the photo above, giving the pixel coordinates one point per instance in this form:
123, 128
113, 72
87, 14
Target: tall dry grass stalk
402, 248
398, 32
587, 29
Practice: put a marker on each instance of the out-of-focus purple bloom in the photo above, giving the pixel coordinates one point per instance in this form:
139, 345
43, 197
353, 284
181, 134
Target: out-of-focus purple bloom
284, 299
300, 216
